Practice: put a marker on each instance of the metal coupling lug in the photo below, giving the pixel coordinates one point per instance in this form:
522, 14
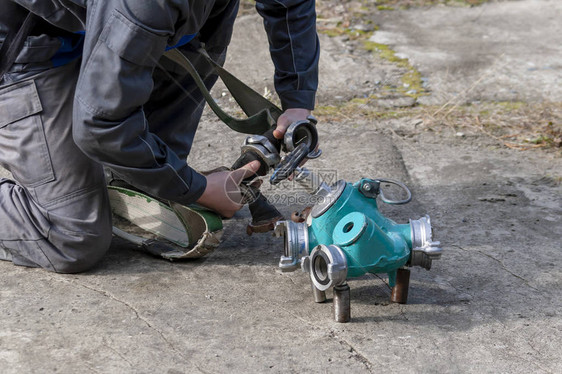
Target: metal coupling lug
424, 249
262, 140
270, 158
295, 236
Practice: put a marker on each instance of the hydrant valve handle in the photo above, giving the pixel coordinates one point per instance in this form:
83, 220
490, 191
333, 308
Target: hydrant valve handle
399, 184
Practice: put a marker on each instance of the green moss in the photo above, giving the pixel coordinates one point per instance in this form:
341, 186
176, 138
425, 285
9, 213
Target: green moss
339, 31
361, 100
360, 108
414, 83
541, 139
333, 32
384, 7
327, 110
386, 53
411, 80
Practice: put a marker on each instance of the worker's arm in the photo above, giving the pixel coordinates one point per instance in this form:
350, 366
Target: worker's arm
123, 44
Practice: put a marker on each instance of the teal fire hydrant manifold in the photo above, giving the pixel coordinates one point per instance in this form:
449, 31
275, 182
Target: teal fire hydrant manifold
345, 236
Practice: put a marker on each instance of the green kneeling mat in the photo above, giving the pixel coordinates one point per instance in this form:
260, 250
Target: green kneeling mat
178, 231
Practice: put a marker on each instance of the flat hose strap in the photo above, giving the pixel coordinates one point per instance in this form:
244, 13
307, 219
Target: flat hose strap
262, 114
191, 231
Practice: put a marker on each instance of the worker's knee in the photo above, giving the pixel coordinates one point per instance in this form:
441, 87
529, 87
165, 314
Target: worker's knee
82, 252
80, 233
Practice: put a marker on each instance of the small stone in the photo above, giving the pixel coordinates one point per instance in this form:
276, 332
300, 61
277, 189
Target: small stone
460, 134
464, 297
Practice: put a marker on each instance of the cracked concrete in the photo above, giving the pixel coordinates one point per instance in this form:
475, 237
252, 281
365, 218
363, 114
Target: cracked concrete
490, 305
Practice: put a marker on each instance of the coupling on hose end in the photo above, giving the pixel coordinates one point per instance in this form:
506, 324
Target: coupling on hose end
295, 236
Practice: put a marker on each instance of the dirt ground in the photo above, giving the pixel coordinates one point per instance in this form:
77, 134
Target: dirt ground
463, 104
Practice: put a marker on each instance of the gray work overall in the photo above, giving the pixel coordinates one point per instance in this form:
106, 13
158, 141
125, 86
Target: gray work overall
120, 106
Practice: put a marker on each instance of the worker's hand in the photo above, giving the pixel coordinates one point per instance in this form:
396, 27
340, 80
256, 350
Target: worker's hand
285, 120
288, 117
222, 193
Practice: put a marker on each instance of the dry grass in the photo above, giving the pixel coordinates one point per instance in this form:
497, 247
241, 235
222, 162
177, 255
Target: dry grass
515, 125
405, 4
